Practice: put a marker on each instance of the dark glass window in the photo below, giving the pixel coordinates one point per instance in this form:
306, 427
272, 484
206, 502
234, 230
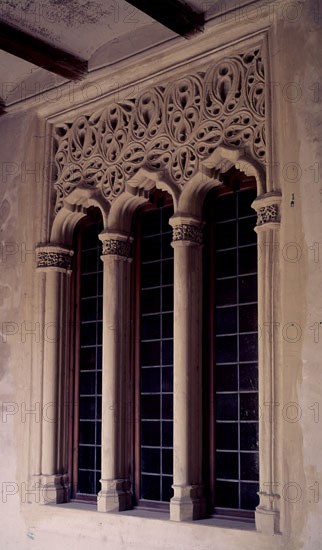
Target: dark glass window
231, 264
89, 380
156, 355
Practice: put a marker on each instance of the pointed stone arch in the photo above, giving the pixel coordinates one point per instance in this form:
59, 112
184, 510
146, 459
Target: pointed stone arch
75, 207
136, 192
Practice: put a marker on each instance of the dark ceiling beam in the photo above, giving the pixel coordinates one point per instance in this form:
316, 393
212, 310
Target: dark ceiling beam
178, 16
40, 53
2, 106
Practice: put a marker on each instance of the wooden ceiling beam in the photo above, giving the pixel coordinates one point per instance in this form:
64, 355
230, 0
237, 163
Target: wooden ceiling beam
41, 53
177, 16
2, 106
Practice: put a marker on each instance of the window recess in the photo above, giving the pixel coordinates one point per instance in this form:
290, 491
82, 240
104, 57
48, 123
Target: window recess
231, 463
87, 375
154, 355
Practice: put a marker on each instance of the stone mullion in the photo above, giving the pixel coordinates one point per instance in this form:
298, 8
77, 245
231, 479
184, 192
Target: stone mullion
56, 262
268, 213
115, 494
188, 500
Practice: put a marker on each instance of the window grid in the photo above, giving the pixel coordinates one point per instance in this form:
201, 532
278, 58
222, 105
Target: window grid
90, 363
156, 356
245, 477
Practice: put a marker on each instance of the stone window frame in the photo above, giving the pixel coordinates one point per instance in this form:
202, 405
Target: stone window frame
54, 259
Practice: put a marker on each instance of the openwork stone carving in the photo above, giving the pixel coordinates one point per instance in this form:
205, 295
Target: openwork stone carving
168, 128
187, 232
54, 258
116, 247
266, 214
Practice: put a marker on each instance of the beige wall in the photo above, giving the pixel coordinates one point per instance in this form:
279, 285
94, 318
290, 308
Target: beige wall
298, 151
295, 60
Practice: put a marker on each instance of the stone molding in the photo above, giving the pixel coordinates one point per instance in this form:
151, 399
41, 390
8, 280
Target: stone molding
54, 257
168, 128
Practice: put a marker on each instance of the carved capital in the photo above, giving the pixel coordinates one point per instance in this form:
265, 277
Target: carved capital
116, 248
268, 210
268, 214
116, 244
188, 232
54, 257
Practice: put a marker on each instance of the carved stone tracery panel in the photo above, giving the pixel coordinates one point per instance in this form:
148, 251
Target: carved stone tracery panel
168, 128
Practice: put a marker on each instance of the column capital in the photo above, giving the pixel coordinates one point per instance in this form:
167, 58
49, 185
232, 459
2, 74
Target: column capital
116, 244
268, 208
53, 257
187, 229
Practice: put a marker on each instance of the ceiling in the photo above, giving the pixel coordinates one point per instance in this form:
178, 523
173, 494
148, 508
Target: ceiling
95, 33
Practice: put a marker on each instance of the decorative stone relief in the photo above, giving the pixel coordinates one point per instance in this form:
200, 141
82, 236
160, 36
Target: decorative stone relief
267, 214
54, 257
168, 128
187, 232
116, 247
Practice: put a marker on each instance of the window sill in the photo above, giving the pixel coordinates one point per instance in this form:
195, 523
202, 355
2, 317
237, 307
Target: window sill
128, 529
148, 513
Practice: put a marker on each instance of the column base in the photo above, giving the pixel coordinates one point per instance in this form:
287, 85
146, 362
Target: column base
53, 489
188, 503
267, 521
115, 495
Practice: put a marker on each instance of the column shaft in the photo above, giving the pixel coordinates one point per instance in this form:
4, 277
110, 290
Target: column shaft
267, 514
115, 494
188, 501
51, 372
56, 262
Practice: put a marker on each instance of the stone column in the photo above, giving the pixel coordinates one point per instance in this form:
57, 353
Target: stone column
188, 502
115, 494
267, 513
56, 262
